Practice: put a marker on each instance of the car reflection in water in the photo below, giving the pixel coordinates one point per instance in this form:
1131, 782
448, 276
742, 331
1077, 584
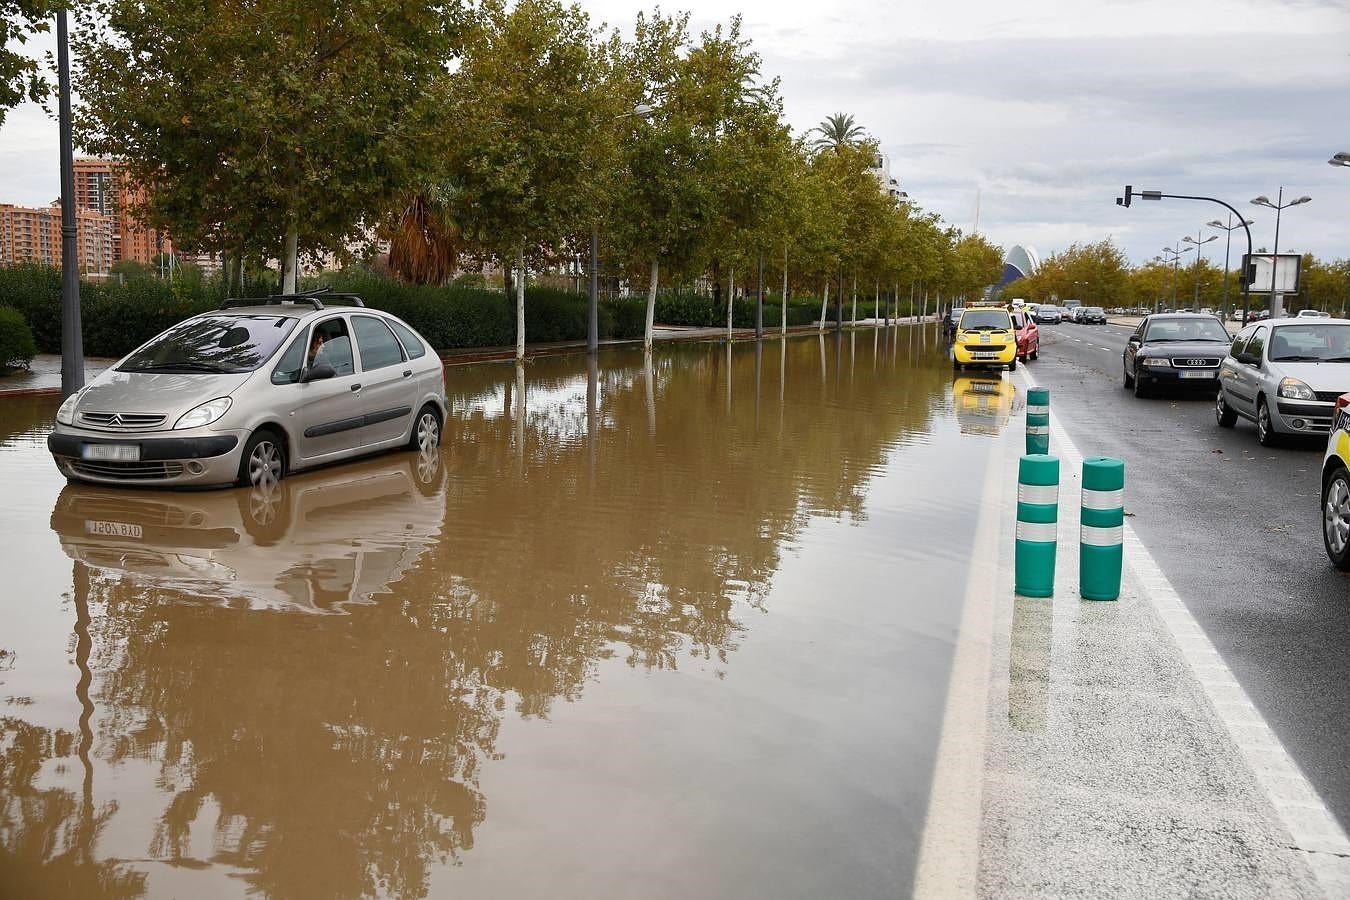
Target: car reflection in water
290, 545
983, 405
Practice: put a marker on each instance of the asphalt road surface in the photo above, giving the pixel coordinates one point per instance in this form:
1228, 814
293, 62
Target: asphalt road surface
1236, 528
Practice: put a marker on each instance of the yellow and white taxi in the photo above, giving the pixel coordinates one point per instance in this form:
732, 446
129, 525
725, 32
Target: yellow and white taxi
1336, 487
985, 337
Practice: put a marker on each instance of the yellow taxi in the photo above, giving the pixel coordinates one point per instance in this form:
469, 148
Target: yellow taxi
1336, 487
985, 337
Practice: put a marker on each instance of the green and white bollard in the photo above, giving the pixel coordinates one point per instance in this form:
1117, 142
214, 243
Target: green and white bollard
1038, 420
1101, 545
1037, 518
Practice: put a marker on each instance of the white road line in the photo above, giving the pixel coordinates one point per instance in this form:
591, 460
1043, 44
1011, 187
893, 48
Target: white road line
1311, 826
949, 855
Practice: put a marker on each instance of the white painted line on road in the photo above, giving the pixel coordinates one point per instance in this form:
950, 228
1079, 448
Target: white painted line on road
949, 855
1311, 826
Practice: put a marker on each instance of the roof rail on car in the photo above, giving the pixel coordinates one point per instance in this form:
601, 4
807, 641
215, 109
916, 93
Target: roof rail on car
311, 297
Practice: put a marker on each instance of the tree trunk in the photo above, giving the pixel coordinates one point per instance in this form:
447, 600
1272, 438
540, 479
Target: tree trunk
651, 306
520, 306
731, 298
290, 256
853, 312
876, 305
783, 328
824, 303
839, 305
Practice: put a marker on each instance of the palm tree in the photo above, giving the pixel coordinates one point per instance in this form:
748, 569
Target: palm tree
838, 131
425, 241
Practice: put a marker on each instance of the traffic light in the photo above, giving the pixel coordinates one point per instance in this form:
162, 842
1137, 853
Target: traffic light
1129, 195
1249, 275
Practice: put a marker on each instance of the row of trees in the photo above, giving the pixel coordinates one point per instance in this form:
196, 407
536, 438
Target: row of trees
1099, 274
494, 133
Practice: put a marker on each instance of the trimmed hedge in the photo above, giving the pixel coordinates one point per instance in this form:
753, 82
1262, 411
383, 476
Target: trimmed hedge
699, 310
17, 347
116, 318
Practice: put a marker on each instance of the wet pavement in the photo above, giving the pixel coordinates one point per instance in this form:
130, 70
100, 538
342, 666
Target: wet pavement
640, 629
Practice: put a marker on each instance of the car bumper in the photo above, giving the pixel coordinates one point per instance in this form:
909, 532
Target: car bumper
1302, 417
1207, 378
199, 459
984, 354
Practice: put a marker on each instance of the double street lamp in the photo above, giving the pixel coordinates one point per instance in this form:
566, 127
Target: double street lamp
1227, 246
1340, 159
1276, 298
1195, 303
1175, 253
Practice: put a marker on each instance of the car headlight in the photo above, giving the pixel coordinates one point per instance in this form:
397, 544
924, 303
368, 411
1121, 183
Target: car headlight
1293, 389
205, 414
65, 414
1158, 362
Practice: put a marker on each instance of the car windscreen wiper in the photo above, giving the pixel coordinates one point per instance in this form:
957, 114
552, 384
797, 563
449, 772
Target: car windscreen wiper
178, 367
1297, 359
1336, 359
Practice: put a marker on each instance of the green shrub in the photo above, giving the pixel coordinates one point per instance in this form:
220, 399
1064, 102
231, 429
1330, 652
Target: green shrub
17, 347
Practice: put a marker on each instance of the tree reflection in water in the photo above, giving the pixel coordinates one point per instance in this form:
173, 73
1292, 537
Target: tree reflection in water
589, 515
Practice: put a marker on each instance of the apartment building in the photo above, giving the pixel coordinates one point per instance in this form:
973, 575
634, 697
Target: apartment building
33, 234
102, 185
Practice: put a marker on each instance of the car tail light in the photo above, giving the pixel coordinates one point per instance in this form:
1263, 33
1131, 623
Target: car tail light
1342, 402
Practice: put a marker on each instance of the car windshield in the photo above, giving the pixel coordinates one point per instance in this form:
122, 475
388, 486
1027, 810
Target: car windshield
212, 344
986, 320
1095, 311
1311, 343
1188, 329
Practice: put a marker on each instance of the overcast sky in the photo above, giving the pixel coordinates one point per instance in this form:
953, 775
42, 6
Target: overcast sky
1048, 108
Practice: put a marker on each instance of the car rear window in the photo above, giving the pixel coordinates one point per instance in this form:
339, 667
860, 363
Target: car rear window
212, 344
986, 320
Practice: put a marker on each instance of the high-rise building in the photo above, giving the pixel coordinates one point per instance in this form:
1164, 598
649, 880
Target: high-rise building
882, 171
29, 234
102, 185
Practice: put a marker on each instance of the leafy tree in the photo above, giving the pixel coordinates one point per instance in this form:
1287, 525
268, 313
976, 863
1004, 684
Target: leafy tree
264, 128
838, 131
130, 270
20, 77
527, 116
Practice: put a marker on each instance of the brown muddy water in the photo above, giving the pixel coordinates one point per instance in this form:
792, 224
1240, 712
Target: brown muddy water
639, 630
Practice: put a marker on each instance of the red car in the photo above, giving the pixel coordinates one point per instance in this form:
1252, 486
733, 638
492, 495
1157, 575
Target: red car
1028, 336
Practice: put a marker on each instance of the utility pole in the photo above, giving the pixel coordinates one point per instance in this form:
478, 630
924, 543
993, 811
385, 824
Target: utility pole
72, 342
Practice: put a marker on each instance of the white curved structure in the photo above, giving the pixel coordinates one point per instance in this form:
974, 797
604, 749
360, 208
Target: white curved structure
1024, 259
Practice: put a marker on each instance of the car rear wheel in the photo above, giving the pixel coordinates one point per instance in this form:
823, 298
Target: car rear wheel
1336, 518
264, 459
1265, 432
426, 431
1224, 414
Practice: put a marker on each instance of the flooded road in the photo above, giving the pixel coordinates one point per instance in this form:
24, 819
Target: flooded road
640, 629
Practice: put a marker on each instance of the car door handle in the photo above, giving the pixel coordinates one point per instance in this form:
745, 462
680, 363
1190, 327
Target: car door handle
355, 388
407, 373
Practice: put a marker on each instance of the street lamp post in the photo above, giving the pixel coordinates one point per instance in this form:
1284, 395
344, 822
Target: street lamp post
1227, 246
1176, 255
1195, 303
72, 342
1276, 298
1340, 159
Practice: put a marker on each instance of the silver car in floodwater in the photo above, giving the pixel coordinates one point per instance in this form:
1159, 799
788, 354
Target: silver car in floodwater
251, 391
1285, 375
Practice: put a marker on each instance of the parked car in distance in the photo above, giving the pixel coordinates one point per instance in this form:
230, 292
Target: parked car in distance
1312, 314
1174, 350
1028, 336
1092, 315
985, 337
1286, 376
949, 321
252, 391
1336, 486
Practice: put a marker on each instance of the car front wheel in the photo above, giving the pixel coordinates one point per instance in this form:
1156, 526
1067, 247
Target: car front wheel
1224, 414
264, 459
1140, 389
1265, 432
1129, 379
1336, 518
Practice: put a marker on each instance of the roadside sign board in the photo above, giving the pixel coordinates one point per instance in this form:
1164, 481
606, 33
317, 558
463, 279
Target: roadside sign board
1284, 272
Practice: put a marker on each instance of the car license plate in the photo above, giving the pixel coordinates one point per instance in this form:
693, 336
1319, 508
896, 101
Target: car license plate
986, 355
1197, 374
112, 529
112, 452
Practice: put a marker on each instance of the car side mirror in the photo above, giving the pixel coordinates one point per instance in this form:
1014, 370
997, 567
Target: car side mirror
1135, 342
317, 373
